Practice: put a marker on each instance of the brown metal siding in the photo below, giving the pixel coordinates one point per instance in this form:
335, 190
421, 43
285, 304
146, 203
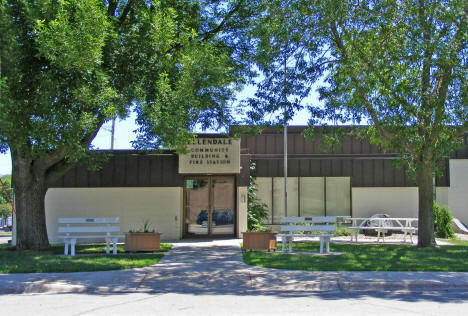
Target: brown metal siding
367, 164
127, 169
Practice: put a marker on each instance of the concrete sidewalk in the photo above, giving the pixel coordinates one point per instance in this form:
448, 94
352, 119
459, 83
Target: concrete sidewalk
216, 267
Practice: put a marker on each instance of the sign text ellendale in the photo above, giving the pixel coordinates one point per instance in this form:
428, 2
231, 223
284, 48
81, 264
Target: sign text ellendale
211, 155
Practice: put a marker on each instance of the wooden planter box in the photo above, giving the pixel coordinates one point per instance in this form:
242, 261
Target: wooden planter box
142, 241
259, 240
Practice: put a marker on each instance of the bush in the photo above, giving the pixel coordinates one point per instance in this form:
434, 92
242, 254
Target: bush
442, 222
257, 211
341, 230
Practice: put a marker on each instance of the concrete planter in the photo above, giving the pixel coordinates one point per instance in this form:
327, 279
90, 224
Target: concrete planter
259, 240
142, 241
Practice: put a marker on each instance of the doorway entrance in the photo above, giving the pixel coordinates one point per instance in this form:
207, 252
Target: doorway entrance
209, 204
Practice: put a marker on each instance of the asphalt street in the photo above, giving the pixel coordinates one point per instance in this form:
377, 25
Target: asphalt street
318, 303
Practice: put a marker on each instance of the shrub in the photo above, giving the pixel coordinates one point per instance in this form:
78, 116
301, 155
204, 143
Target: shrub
257, 211
341, 230
442, 222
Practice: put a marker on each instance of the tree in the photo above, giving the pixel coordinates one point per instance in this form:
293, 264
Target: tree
402, 66
67, 67
399, 66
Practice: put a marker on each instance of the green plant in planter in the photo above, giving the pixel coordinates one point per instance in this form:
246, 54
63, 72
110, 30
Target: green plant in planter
147, 227
257, 211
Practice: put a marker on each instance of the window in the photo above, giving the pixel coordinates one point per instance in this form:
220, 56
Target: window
307, 196
312, 196
338, 196
278, 198
264, 194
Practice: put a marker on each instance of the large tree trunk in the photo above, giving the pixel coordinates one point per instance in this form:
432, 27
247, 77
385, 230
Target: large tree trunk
426, 213
30, 190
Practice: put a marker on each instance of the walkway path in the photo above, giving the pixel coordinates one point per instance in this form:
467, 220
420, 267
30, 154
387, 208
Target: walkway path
216, 267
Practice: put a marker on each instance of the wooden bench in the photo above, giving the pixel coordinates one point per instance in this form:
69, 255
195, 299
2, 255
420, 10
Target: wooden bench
402, 224
320, 226
89, 228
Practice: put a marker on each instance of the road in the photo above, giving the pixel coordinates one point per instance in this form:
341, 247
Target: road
321, 303
4, 239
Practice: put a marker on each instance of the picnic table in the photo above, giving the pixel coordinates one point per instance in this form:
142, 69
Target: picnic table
407, 225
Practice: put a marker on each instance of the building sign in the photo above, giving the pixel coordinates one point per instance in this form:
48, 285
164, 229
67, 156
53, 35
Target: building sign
211, 155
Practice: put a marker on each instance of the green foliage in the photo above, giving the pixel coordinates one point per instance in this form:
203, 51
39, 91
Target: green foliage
398, 66
54, 52
341, 230
5, 210
5, 206
443, 222
257, 212
147, 227
287, 45
68, 67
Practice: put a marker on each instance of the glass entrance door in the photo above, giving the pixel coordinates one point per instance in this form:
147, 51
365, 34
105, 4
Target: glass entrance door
209, 206
222, 197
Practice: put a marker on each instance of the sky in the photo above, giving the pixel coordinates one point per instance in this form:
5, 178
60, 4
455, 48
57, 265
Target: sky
124, 131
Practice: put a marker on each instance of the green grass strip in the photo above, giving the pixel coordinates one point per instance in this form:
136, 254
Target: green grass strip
88, 258
359, 257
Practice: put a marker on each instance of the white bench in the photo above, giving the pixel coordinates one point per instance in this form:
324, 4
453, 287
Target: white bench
89, 228
402, 224
297, 226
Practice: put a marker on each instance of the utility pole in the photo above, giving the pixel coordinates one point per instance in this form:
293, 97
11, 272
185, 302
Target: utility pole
285, 141
113, 133
285, 165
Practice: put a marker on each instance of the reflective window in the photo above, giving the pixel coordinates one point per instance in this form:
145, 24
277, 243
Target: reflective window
278, 198
264, 194
338, 196
312, 197
307, 196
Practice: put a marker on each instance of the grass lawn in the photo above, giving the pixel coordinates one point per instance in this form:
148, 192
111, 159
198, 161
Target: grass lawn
366, 258
13, 261
457, 242
5, 233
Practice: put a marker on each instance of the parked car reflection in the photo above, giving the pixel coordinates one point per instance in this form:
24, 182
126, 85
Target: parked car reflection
220, 217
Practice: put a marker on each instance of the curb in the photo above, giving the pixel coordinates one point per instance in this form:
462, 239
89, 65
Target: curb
331, 285
428, 285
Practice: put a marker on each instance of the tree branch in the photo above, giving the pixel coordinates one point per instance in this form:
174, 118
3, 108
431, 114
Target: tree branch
126, 10
112, 7
43, 163
209, 34
367, 104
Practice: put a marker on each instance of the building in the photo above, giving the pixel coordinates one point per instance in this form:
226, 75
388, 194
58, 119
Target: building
204, 193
